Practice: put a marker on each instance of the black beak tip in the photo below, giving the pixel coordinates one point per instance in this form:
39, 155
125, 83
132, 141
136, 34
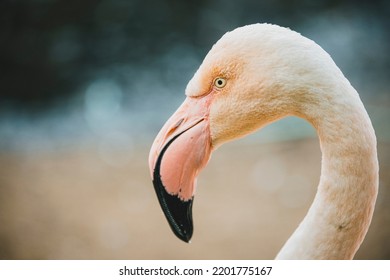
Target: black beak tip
177, 212
179, 216
184, 235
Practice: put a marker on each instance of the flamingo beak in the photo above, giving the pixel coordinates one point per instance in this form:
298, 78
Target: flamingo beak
181, 149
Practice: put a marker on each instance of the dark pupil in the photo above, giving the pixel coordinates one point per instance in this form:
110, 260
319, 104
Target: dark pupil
220, 82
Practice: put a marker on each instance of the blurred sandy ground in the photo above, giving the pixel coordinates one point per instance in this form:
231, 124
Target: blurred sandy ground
77, 204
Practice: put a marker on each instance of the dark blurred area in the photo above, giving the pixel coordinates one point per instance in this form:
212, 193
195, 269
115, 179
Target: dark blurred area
85, 87
51, 49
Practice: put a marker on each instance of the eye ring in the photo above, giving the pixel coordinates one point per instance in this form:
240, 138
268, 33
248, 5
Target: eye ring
220, 82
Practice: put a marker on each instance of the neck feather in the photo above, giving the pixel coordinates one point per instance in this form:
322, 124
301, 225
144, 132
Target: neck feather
341, 213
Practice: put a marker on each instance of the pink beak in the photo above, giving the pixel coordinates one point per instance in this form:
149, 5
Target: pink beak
179, 152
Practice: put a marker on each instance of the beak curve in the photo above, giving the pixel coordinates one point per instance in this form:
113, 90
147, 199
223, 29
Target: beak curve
181, 149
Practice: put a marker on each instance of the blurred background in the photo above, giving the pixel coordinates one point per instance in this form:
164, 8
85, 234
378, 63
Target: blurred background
86, 85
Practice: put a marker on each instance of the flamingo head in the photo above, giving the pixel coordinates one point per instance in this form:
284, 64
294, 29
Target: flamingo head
245, 81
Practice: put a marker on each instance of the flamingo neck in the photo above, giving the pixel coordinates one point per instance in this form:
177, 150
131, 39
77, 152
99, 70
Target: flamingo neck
340, 215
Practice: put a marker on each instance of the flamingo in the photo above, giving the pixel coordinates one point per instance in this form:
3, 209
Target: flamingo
253, 76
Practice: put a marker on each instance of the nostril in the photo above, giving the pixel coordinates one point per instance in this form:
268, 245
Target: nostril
173, 128
179, 123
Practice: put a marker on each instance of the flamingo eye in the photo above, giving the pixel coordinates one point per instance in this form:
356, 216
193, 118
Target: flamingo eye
219, 82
